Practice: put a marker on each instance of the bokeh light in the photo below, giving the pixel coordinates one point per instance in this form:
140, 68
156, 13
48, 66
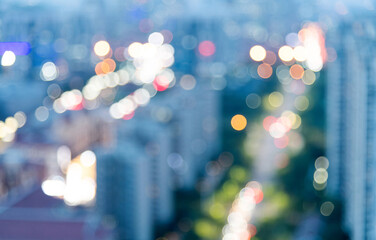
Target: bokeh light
102, 48
257, 53
206, 48
8, 59
238, 122
286, 53
264, 70
296, 71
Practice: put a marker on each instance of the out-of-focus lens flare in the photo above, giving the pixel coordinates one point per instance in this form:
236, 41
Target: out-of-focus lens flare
277, 130
241, 212
70, 100
253, 101
257, 53
54, 187
300, 54
156, 38
275, 99
301, 103
206, 48
281, 142
80, 182
269, 120
8, 59
289, 117
187, 82
87, 158
102, 48
42, 113
135, 50
313, 41
320, 175
286, 53
238, 122
322, 162
49, 71
296, 71
270, 58
12, 124
326, 208
309, 77
161, 83
128, 116
20, 118
264, 70
106, 66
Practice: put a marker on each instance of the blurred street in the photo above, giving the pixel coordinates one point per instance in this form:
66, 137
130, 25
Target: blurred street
183, 120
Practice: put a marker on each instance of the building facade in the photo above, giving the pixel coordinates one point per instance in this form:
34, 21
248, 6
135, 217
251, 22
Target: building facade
351, 120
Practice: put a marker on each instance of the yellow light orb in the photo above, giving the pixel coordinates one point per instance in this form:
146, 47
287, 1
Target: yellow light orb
257, 53
102, 48
136, 49
300, 54
238, 122
286, 53
297, 123
309, 77
12, 124
301, 103
276, 99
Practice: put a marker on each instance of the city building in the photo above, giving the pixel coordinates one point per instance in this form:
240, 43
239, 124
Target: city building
35, 216
124, 189
351, 119
155, 139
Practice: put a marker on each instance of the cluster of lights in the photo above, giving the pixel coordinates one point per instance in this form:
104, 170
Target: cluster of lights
295, 78
125, 107
79, 186
9, 50
73, 100
302, 59
313, 41
98, 83
9, 127
69, 100
151, 62
151, 59
103, 51
268, 58
308, 52
279, 127
320, 176
150, 70
238, 226
309, 49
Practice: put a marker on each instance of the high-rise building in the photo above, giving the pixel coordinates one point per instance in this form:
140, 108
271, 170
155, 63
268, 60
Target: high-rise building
123, 189
351, 120
155, 140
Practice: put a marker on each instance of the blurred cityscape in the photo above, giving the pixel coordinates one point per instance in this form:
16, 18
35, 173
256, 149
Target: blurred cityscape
182, 120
